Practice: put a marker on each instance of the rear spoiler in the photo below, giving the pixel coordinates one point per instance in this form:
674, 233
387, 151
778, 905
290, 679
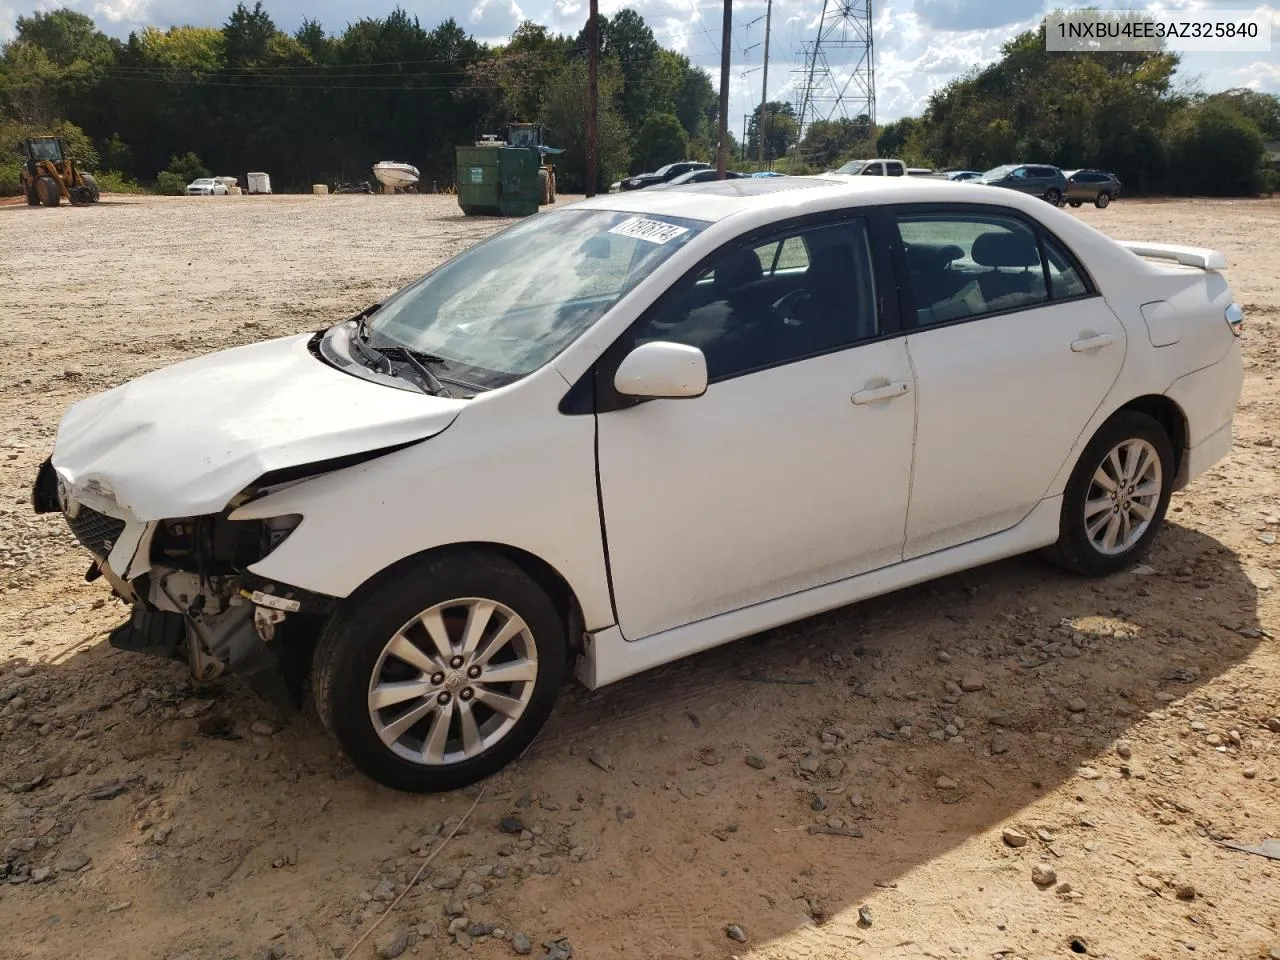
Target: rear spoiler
1202, 257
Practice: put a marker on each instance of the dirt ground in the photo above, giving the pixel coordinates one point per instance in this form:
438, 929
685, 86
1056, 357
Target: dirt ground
874, 757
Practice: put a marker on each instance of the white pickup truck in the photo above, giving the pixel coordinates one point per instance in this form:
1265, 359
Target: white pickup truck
872, 168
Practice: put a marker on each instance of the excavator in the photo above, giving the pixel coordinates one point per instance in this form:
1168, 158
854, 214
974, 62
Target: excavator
49, 174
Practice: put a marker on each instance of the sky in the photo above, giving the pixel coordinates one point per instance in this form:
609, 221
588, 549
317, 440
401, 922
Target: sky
920, 45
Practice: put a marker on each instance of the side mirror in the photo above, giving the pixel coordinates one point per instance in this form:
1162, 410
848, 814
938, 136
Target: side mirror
662, 370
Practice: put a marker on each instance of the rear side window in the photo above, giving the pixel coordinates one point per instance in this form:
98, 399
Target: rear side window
967, 265
1064, 279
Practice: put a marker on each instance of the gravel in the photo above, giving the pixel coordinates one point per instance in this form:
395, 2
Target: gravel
1013, 838
393, 944
735, 931
521, 944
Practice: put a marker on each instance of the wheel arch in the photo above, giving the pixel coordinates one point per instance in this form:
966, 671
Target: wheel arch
1173, 419
552, 582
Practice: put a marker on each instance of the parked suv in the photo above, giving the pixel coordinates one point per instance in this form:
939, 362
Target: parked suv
872, 168
1040, 180
1098, 187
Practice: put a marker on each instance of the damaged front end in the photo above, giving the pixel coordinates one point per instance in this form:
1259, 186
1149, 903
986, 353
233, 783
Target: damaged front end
192, 594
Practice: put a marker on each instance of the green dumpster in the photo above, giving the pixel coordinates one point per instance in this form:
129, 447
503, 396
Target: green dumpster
500, 181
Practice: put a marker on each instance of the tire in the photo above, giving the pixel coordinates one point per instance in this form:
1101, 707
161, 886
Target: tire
1076, 203
544, 187
1102, 200
364, 644
91, 188
1078, 549
33, 197
1053, 197
48, 190
553, 186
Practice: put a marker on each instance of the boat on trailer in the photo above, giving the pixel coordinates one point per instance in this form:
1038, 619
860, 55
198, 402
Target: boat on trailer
396, 175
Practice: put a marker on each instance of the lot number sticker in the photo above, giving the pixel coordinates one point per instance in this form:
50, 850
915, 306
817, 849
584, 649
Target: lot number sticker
654, 231
477, 174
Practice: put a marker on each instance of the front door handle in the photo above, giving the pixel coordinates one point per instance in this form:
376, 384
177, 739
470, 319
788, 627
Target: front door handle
890, 391
1093, 343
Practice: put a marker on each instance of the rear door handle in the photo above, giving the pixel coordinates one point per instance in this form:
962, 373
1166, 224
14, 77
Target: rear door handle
1092, 343
890, 391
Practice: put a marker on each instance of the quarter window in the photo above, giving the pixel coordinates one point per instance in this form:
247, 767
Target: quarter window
1064, 279
968, 265
757, 306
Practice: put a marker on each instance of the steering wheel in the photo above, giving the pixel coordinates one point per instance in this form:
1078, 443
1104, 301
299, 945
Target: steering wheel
785, 304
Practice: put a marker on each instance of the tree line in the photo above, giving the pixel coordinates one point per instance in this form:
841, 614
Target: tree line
164, 106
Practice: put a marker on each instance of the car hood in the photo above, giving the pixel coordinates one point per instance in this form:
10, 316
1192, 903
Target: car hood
184, 440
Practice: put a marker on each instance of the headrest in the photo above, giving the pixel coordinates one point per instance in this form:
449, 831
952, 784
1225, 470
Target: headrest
736, 269
1000, 248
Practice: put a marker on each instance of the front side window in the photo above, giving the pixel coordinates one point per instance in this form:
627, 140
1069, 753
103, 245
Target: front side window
508, 305
965, 265
760, 305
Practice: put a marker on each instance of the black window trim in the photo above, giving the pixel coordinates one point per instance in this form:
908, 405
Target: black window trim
906, 304
593, 392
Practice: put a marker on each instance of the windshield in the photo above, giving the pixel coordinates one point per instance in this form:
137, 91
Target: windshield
853, 166
1000, 171
506, 306
203, 181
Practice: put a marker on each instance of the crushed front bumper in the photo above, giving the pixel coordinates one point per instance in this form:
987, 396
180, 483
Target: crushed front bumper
218, 622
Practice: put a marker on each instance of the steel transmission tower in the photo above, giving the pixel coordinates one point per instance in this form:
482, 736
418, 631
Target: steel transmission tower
838, 78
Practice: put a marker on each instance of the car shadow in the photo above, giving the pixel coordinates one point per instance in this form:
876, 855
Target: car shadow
778, 783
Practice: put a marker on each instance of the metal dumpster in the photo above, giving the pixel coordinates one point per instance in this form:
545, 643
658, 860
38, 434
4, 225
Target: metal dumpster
498, 180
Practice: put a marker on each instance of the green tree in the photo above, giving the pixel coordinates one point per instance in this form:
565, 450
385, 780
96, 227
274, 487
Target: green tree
564, 113
66, 38
660, 140
181, 171
781, 130
826, 141
1214, 151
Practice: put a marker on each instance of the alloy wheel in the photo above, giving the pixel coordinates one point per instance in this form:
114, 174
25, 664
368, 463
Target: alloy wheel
451, 683
1123, 497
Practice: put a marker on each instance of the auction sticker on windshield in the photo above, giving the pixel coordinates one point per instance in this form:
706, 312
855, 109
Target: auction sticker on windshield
654, 231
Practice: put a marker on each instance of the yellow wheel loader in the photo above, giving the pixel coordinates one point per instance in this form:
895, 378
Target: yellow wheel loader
49, 174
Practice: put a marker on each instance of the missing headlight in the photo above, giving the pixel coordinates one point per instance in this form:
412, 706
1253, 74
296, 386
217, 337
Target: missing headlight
218, 546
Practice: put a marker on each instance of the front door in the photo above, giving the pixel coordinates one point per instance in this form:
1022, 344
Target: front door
1010, 369
793, 469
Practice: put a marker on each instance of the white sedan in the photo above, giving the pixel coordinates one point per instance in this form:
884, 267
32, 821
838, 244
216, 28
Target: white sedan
640, 426
206, 187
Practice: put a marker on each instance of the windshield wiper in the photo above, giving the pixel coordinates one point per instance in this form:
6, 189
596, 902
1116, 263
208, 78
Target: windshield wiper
415, 360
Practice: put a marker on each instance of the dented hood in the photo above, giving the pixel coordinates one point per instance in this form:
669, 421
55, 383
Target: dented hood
184, 440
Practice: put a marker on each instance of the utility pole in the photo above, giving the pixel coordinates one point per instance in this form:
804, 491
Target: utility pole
764, 91
593, 94
726, 41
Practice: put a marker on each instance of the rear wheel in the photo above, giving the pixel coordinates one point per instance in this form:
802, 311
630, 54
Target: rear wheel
544, 187
33, 197
1053, 196
1116, 499
92, 193
1101, 200
442, 674
1076, 203
48, 190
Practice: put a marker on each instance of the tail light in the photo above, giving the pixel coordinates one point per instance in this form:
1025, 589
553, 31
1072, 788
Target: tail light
1235, 318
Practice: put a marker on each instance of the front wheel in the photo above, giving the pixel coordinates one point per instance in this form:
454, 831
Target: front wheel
1117, 496
1101, 200
1053, 197
1076, 203
442, 674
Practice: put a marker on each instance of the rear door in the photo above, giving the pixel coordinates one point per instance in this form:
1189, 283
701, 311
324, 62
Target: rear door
1012, 359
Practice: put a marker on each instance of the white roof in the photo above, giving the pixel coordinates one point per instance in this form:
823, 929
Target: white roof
717, 199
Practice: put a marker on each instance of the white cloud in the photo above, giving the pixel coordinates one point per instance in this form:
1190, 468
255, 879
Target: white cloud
494, 18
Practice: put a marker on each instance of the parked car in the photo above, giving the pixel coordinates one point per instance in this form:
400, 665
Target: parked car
872, 168
661, 175
548, 450
1098, 187
768, 173
963, 175
700, 176
925, 172
1039, 180
207, 187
